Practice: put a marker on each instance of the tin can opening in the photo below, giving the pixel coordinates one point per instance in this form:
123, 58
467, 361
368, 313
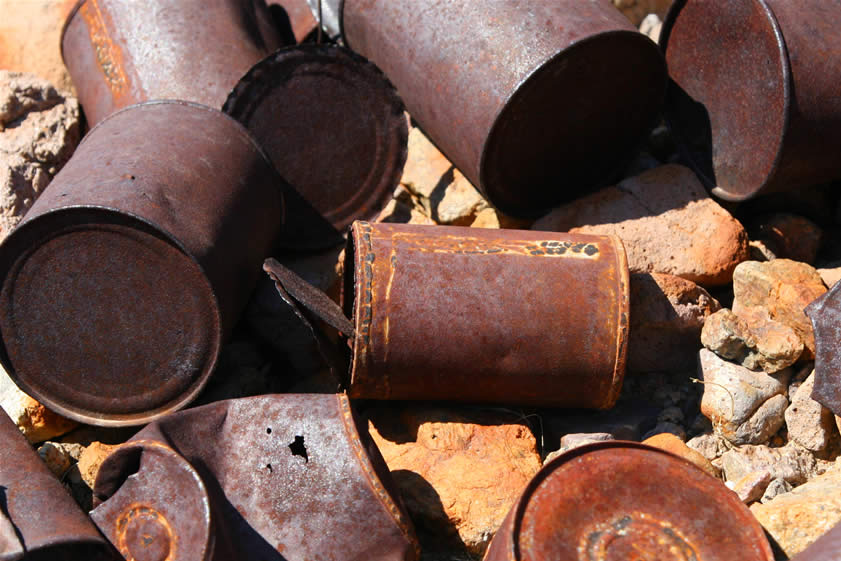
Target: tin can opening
573, 124
729, 98
104, 318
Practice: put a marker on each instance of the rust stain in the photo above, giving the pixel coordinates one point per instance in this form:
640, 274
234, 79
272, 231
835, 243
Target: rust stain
139, 512
108, 55
648, 536
468, 245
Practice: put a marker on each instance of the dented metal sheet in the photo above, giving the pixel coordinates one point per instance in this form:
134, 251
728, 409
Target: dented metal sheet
335, 129
272, 477
523, 97
39, 521
825, 314
121, 52
617, 501
754, 102
470, 314
124, 277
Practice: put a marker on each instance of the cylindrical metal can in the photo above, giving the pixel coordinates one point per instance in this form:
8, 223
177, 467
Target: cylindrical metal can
521, 317
825, 315
38, 519
121, 52
269, 477
615, 501
753, 102
535, 102
333, 126
124, 277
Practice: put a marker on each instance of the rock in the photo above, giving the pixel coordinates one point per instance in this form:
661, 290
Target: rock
457, 472
793, 464
30, 35
35, 421
788, 236
751, 487
746, 406
651, 26
782, 287
574, 440
441, 190
59, 457
39, 130
666, 427
636, 10
830, 276
762, 344
776, 487
492, 218
710, 446
797, 518
667, 313
90, 460
668, 224
809, 423
673, 444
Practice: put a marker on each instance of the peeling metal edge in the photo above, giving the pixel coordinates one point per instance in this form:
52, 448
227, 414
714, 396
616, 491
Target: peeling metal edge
623, 323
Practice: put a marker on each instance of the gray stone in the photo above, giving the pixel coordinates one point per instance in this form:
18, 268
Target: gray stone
793, 464
809, 423
776, 487
711, 446
751, 487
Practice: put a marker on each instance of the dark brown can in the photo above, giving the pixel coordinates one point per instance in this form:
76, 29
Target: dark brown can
39, 520
754, 101
617, 501
469, 314
536, 102
121, 52
825, 314
127, 273
272, 477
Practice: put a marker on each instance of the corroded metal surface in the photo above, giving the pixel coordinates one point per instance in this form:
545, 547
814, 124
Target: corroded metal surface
297, 16
120, 52
825, 314
753, 102
536, 102
333, 126
620, 501
124, 277
39, 520
272, 477
469, 314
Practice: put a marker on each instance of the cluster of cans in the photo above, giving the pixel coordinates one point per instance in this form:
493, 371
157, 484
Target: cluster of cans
217, 141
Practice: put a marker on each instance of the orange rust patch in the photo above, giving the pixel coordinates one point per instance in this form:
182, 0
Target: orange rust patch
108, 55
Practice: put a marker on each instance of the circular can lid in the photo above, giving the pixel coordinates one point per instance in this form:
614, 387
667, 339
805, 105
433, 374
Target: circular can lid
333, 126
729, 99
105, 318
616, 501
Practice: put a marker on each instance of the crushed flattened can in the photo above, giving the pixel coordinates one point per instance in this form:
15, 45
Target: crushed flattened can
616, 501
122, 52
335, 129
535, 102
271, 477
825, 315
469, 314
123, 279
753, 101
39, 520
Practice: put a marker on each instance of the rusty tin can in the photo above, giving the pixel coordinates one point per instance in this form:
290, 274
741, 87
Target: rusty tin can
618, 501
532, 318
825, 315
124, 277
269, 477
754, 101
535, 102
39, 520
295, 16
350, 133
121, 52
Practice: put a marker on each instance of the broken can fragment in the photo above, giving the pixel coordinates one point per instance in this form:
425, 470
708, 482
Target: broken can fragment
825, 314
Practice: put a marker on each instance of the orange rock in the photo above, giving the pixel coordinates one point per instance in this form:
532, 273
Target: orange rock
458, 473
91, 459
30, 34
671, 443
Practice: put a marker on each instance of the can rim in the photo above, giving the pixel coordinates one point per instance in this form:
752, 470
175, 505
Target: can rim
9, 259
70, 15
786, 77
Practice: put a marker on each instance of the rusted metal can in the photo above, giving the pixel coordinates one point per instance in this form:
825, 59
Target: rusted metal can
38, 519
825, 314
754, 102
616, 501
121, 52
270, 477
521, 317
535, 102
124, 277
297, 17
349, 130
